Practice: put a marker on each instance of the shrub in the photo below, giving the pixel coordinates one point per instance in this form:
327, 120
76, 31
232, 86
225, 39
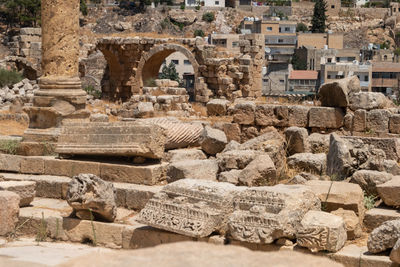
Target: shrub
301, 27
183, 6
9, 146
90, 90
197, 7
150, 83
208, 16
198, 33
9, 77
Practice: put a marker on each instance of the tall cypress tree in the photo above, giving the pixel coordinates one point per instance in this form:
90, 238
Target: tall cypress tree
318, 24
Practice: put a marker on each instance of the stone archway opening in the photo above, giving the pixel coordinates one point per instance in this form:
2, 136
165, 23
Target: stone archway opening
152, 62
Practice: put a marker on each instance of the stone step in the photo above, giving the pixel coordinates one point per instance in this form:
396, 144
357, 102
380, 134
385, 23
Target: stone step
122, 172
376, 216
130, 196
51, 216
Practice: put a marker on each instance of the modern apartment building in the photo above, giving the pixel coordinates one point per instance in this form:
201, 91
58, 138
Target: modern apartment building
385, 77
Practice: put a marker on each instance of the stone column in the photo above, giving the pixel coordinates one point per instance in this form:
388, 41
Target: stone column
60, 93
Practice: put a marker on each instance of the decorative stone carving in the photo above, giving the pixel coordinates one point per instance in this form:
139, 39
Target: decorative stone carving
263, 214
190, 207
113, 139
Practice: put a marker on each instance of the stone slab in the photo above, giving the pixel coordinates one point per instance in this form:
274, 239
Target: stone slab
376, 216
25, 190
10, 163
112, 139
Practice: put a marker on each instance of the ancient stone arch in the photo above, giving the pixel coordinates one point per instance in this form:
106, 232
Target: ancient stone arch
150, 63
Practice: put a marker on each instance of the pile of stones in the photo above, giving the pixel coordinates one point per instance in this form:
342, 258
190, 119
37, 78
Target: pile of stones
23, 90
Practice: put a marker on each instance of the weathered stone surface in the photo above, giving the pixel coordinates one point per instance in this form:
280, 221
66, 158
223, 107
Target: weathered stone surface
265, 115
244, 113
394, 123
384, 237
296, 139
264, 214
391, 166
335, 195
352, 223
326, 118
24, 189
260, 171
272, 143
90, 196
98, 117
199, 254
314, 163
389, 191
194, 169
298, 116
319, 143
376, 216
336, 93
322, 231
112, 139
368, 180
391, 146
339, 158
395, 253
212, 141
9, 210
10, 163
367, 101
217, 107
359, 120
378, 120
185, 154
236, 159
303, 177
231, 176
190, 207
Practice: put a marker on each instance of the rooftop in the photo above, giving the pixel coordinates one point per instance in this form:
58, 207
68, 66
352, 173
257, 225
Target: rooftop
303, 75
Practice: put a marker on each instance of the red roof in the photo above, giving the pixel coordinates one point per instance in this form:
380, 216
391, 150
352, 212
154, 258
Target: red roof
303, 75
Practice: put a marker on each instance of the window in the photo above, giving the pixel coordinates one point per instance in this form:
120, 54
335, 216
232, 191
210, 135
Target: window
333, 6
280, 40
175, 61
186, 62
287, 29
269, 29
366, 79
217, 3
235, 44
282, 81
329, 60
385, 57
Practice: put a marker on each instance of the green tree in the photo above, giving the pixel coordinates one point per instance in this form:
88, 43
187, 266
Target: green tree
24, 13
83, 7
208, 16
298, 63
301, 27
318, 22
198, 32
169, 72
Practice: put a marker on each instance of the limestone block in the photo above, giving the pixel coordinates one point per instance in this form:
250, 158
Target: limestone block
335, 195
193, 169
389, 191
10, 163
260, 171
394, 123
298, 116
231, 176
264, 214
368, 180
9, 210
32, 165
212, 140
322, 231
314, 163
90, 196
281, 116
339, 158
24, 189
378, 120
232, 131
359, 120
70, 168
185, 154
296, 139
384, 237
336, 93
391, 146
217, 107
392, 167
376, 216
319, 143
243, 113
98, 117
352, 223
324, 117
236, 159
265, 115
112, 139
367, 101
190, 207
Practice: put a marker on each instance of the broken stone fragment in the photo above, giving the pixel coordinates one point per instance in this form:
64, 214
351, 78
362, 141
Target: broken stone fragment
260, 171
368, 180
25, 190
212, 141
384, 237
389, 191
296, 139
352, 222
194, 169
322, 231
314, 163
90, 196
9, 210
336, 93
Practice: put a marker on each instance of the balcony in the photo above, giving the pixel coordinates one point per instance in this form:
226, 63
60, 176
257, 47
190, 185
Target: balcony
384, 82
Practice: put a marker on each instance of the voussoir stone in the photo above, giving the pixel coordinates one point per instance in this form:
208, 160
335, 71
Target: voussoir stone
384, 237
322, 231
25, 189
90, 196
212, 140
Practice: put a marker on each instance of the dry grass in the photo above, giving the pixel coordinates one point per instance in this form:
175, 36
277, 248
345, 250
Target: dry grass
200, 109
